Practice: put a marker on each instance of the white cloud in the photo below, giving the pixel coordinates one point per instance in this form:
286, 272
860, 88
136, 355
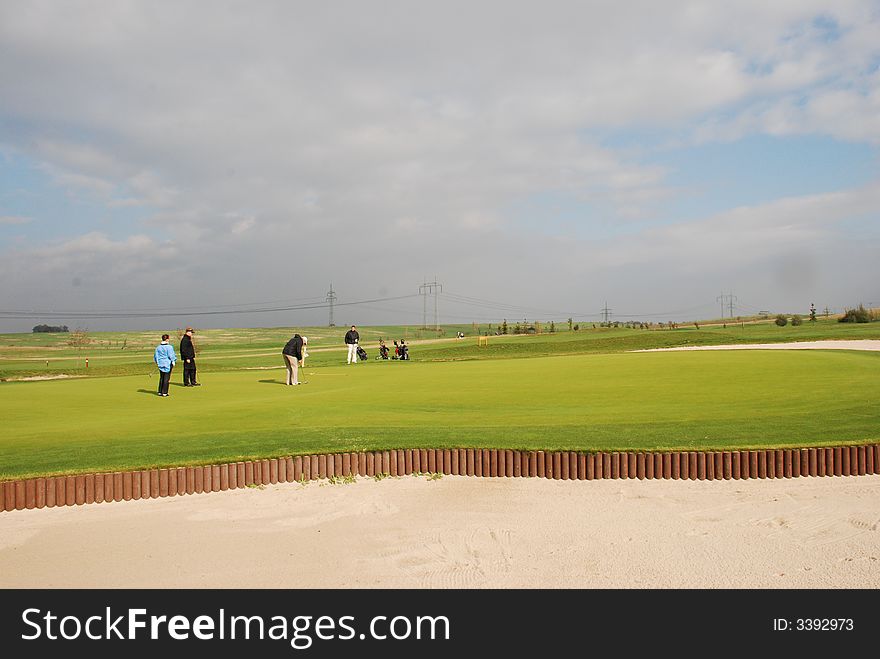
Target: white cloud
243, 224
749, 236
390, 140
14, 219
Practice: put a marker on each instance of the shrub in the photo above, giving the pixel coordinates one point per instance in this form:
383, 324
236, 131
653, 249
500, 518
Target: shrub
50, 328
858, 315
781, 320
797, 320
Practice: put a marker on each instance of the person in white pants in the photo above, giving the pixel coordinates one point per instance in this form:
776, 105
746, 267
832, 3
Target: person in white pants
351, 340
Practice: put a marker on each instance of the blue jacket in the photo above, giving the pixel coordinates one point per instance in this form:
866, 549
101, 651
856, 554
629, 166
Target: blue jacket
164, 357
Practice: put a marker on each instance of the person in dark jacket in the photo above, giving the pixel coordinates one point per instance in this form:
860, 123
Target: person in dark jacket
351, 340
188, 355
293, 358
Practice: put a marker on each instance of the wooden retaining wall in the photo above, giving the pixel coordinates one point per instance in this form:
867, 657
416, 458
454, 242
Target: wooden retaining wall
51, 492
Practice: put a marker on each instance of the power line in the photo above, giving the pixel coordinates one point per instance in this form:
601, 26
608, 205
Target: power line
172, 310
93, 314
330, 301
477, 302
454, 298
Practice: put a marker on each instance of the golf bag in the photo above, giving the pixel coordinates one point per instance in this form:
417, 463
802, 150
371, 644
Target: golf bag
362, 354
404, 352
383, 352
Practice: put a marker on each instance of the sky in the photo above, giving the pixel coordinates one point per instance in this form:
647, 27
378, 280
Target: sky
222, 164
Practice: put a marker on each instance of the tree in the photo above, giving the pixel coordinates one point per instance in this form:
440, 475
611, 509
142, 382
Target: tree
50, 329
857, 315
781, 320
552, 327
797, 320
504, 326
812, 312
569, 324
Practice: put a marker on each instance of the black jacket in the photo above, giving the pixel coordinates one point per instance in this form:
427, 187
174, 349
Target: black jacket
351, 336
294, 347
187, 351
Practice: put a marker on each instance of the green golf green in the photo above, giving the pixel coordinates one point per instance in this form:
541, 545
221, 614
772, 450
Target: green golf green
667, 400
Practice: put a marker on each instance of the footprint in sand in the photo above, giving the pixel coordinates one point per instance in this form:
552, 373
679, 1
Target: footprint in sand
862, 524
459, 559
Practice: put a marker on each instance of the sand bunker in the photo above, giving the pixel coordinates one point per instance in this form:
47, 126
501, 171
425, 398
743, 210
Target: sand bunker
459, 532
864, 344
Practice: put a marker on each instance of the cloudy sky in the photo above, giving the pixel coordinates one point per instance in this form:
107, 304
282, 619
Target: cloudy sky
537, 158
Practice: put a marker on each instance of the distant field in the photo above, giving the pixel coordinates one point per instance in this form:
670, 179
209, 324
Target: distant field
130, 353
573, 400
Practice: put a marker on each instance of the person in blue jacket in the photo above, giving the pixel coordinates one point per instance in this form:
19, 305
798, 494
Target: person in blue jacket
165, 360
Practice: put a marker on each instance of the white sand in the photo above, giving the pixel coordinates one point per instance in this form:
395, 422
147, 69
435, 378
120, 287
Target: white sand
861, 344
462, 532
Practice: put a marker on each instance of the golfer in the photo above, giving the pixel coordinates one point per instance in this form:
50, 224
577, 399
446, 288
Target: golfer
293, 358
165, 360
188, 355
351, 340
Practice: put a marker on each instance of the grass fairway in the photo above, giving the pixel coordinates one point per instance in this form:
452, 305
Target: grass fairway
646, 401
131, 353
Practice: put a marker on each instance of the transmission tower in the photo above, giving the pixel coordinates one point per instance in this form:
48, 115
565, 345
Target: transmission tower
731, 298
331, 299
606, 312
430, 288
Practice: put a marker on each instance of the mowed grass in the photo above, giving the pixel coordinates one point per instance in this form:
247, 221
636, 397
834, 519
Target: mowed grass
679, 400
48, 355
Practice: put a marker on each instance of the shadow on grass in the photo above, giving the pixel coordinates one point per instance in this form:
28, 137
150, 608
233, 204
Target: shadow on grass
148, 391
273, 382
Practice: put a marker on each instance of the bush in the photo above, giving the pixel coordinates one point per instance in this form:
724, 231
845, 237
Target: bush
859, 315
781, 320
52, 329
797, 320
